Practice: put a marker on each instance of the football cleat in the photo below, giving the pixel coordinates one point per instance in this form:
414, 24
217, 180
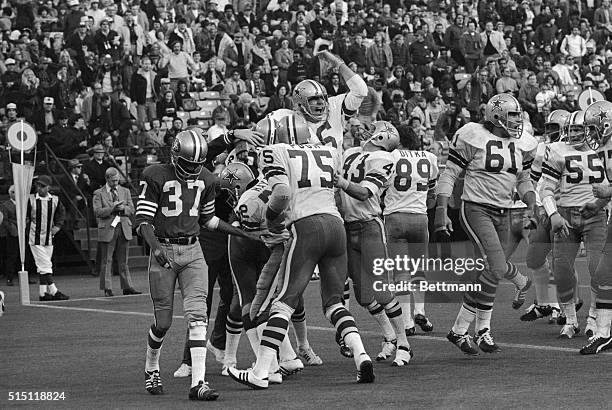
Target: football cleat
1, 303
275, 378
289, 367
45, 298
344, 349
248, 378
184, 370
224, 370
315, 276
423, 322
597, 344
463, 342
591, 327
554, 316
388, 348
520, 294
365, 374
153, 382
484, 340
569, 331
309, 357
203, 392
411, 331
402, 356
534, 312
219, 354
60, 296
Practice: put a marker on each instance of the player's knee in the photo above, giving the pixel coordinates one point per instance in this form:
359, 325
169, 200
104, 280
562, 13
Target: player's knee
281, 308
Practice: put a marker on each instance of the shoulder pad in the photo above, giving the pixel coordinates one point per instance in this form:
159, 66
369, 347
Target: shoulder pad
527, 142
474, 134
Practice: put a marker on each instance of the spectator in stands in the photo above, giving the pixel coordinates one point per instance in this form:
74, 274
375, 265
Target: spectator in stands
493, 41
480, 92
261, 55
335, 87
182, 94
235, 84
76, 192
397, 114
379, 54
156, 134
113, 118
166, 107
96, 167
507, 84
281, 99
213, 77
178, 64
221, 120
283, 58
113, 208
143, 91
238, 55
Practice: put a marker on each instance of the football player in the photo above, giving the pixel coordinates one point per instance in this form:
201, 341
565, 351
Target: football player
326, 117
540, 239
496, 158
301, 181
569, 170
174, 201
367, 171
598, 128
412, 188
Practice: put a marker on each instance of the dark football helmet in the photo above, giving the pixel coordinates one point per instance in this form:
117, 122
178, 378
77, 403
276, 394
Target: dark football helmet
188, 153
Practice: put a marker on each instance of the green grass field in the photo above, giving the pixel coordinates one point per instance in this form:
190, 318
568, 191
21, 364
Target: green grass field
92, 349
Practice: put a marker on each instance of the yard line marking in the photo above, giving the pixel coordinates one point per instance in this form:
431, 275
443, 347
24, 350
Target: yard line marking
320, 328
80, 309
443, 339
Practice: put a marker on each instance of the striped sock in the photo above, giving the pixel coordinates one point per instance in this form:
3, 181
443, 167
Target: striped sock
378, 313
197, 348
233, 329
271, 339
394, 313
345, 325
253, 339
154, 344
299, 327
514, 276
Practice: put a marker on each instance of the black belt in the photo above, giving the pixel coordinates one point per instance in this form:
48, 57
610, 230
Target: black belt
185, 240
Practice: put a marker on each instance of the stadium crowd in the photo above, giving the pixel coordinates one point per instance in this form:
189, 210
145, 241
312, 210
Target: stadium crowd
111, 83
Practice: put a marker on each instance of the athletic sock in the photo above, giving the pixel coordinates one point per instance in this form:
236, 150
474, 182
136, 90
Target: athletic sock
464, 319
271, 339
514, 276
154, 344
346, 327
286, 351
253, 340
604, 319
197, 348
394, 313
233, 329
404, 301
419, 302
570, 312
592, 307
42, 289
483, 319
540, 283
52, 289
552, 291
378, 313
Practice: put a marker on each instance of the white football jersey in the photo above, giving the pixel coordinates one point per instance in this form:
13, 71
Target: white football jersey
605, 153
309, 171
371, 170
328, 132
251, 207
492, 164
414, 174
573, 171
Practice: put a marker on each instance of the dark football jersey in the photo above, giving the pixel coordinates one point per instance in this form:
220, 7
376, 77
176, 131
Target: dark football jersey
174, 206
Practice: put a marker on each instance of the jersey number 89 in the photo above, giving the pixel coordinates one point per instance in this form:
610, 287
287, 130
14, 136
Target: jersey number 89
403, 174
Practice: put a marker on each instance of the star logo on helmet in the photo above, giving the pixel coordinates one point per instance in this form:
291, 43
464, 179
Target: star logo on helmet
231, 176
497, 105
602, 115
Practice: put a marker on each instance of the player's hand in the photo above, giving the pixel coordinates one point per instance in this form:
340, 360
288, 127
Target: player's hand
330, 58
590, 209
253, 236
250, 136
161, 257
442, 224
559, 225
340, 181
602, 191
529, 220
272, 239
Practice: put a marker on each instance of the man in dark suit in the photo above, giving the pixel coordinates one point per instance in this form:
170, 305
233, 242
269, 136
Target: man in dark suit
113, 207
77, 190
8, 232
96, 167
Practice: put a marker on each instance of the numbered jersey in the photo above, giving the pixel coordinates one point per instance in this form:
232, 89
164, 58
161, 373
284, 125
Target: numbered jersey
309, 171
328, 132
414, 174
371, 170
251, 158
251, 207
492, 163
573, 172
605, 152
171, 205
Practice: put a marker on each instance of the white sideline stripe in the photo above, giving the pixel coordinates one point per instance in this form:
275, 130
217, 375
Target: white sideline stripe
109, 299
443, 339
320, 328
79, 309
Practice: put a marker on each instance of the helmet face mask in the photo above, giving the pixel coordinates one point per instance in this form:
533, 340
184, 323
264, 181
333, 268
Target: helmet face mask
598, 124
381, 134
310, 98
554, 126
575, 133
504, 111
188, 153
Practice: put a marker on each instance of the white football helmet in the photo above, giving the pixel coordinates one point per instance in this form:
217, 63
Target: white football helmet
383, 135
503, 110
